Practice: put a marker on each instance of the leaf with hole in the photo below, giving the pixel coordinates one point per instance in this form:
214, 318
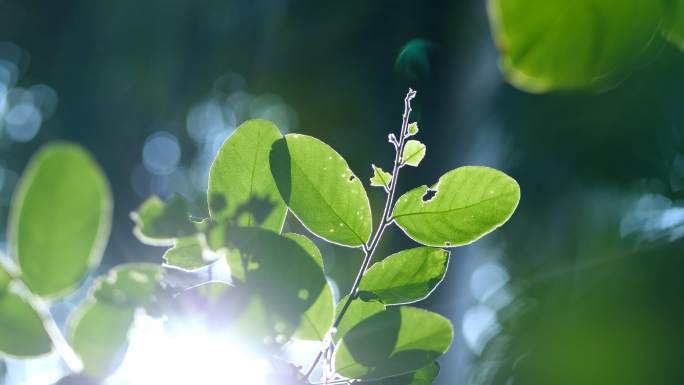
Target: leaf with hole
98, 333
317, 320
134, 285
22, 333
320, 189
396, 341
571, 45
414, 152
381, 178
158, 223
423, 376
358, 311
469, 202
59, 219
241, 186
405, 277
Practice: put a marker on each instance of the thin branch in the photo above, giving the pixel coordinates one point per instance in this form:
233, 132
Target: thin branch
369, 249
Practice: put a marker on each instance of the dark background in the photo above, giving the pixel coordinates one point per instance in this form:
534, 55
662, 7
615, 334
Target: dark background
582, 286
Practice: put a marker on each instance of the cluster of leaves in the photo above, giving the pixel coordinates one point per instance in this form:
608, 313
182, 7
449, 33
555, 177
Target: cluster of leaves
60, 220
580, 45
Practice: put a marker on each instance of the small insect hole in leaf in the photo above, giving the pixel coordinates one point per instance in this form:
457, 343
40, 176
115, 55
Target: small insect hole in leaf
352, 177
429, 195
448, 244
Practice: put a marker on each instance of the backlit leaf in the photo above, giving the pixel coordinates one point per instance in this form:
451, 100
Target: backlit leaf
423, 376
358, 311
571, 45
397, 341
187, 254
320, 189
405, 277
469, 202
98, 333
381, 178
414, 152
413, 128
317, 320
59, 219
22, 333
241, 173
158, 223
134, 285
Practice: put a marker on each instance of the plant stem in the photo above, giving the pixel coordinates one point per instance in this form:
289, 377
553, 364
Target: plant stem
386, 220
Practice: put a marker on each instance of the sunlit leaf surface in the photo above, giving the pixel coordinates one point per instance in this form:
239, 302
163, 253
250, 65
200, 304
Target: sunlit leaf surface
405, 277
571, 45
241, 172
186, 254
414, 152
380, 177
59, 219
320, 189
469, 202
358, 311
135, 285
397, 341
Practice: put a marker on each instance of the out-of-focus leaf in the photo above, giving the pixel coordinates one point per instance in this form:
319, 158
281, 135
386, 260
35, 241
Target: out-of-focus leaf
571, 45
397, 341
358, 311
275, 267
59, 219
187, 254
381, 178
414, 152
241, 173
134, 285
98, 333
320, 189
405, 277
317, 320
672, 27
423, 376
158, 223
285, 373
469, 202
22, 333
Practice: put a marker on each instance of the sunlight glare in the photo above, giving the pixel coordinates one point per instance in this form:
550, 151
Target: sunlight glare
188, 359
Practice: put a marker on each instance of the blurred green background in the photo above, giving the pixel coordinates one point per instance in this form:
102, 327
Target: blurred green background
581, 286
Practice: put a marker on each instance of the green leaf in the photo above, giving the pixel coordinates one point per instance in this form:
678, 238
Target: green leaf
59, 219
317, 320
469, 203
358, 311
672, 27
158, 223
98, 331
423, 376
405, 277
412, 129
381, 178
397, 341
240, 173
414, 151
571, 45
277, 268
22, 333
187, 254
320, 189
135, 285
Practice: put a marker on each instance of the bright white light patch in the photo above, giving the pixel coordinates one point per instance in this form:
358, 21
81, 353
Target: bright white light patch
190, 359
